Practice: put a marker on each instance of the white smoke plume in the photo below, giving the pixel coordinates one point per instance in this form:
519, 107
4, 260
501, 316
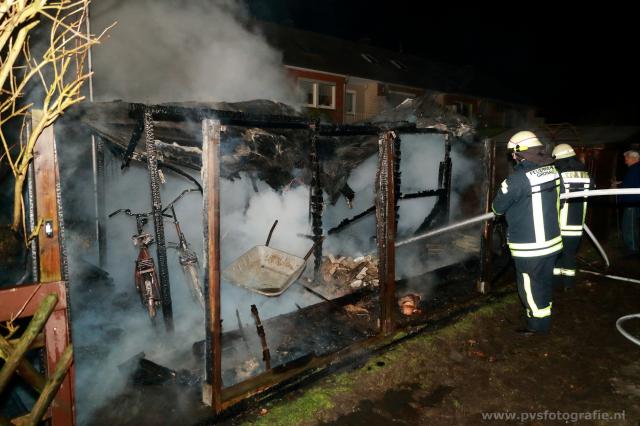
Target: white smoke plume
174, 51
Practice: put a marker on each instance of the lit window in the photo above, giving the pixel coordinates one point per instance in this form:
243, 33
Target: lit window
350, 102
317, 95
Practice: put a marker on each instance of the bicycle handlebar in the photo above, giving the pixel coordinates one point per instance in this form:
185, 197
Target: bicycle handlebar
147, 214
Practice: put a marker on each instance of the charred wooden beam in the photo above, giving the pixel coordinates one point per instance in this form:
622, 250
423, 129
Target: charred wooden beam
138, 129
266, 354
317, 201
487, 228
232, 118
158, 222
397, 173
101, 204
212, 387
346, 222
446, 177
386, 230
177, 113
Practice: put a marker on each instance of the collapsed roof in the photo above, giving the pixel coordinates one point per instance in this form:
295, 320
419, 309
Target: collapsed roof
266, 139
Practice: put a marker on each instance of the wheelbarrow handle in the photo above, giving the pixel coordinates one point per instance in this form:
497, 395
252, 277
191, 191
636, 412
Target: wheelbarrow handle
271, 232
315, 244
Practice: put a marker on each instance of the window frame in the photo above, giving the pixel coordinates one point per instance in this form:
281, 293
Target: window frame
316, 93
355, 96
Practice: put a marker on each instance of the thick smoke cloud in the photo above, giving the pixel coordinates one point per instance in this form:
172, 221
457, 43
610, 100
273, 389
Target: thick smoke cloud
170, 51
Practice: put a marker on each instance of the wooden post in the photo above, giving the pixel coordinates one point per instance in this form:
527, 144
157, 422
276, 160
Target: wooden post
212, 387
317, 202
487, 228
158, 221
386, 230
47, 180
51, 264
100, 195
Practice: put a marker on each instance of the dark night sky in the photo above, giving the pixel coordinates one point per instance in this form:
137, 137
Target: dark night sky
575, 64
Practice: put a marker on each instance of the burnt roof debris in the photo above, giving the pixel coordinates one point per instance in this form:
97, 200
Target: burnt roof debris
266, 139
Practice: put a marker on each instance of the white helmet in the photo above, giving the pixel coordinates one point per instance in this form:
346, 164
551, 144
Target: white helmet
563, 151
522, 141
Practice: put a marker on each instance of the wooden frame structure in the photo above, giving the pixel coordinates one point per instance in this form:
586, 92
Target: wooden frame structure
22, 301
213, 392
387, 185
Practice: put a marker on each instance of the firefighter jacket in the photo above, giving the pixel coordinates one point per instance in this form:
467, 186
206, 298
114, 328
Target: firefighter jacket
573, 211
530, 199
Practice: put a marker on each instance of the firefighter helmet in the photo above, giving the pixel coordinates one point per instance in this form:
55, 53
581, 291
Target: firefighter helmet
563, 151
522, 141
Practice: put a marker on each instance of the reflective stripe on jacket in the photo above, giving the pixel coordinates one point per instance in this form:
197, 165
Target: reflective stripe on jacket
530, 199
573, 211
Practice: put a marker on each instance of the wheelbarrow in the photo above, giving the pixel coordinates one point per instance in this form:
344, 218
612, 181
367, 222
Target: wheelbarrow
265, 270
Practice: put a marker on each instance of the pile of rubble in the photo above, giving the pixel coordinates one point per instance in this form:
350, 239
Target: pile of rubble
347, 271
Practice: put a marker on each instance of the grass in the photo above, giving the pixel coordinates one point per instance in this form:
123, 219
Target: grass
322, 396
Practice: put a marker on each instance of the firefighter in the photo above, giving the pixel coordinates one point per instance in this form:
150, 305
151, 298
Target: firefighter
529, 198
572, 213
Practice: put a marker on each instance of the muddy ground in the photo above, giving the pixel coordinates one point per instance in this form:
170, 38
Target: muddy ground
583, 370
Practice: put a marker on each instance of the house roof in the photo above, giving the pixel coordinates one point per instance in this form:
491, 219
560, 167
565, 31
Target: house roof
305, 49
320, 52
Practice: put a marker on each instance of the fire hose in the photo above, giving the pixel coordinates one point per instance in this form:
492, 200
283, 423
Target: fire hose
566, 195
491, 215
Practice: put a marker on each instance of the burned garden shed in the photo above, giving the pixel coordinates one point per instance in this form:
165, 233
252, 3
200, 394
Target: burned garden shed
336, 193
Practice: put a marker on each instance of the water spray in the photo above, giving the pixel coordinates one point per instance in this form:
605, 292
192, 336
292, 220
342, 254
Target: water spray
566, 195
487, 216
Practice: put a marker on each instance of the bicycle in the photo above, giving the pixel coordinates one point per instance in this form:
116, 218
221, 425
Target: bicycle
145, 275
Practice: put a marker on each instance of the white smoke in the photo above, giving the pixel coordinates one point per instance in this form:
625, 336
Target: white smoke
171, 51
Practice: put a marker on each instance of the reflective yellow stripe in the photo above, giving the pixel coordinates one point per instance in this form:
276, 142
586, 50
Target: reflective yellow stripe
564, 215
584, 205
575, 174
535, 311
577, 180
571, 233
557, 271
532, 246
535, 253
568, 272
538, 216
505, 187
572, 228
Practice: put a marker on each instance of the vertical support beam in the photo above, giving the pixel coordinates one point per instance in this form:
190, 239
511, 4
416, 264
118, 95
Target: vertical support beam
47, 180
317, 201
487, 228
52, 264
97, 145
212, 387
386, 230
397, 155
33, 214
158, 222
446, 177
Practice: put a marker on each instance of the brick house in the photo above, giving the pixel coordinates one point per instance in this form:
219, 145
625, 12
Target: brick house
344, 81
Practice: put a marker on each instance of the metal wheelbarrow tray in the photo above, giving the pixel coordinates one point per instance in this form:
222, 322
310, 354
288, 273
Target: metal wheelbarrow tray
266, 270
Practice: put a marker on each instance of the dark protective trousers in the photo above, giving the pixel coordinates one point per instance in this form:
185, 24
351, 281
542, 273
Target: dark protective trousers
565, 270
534, 277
